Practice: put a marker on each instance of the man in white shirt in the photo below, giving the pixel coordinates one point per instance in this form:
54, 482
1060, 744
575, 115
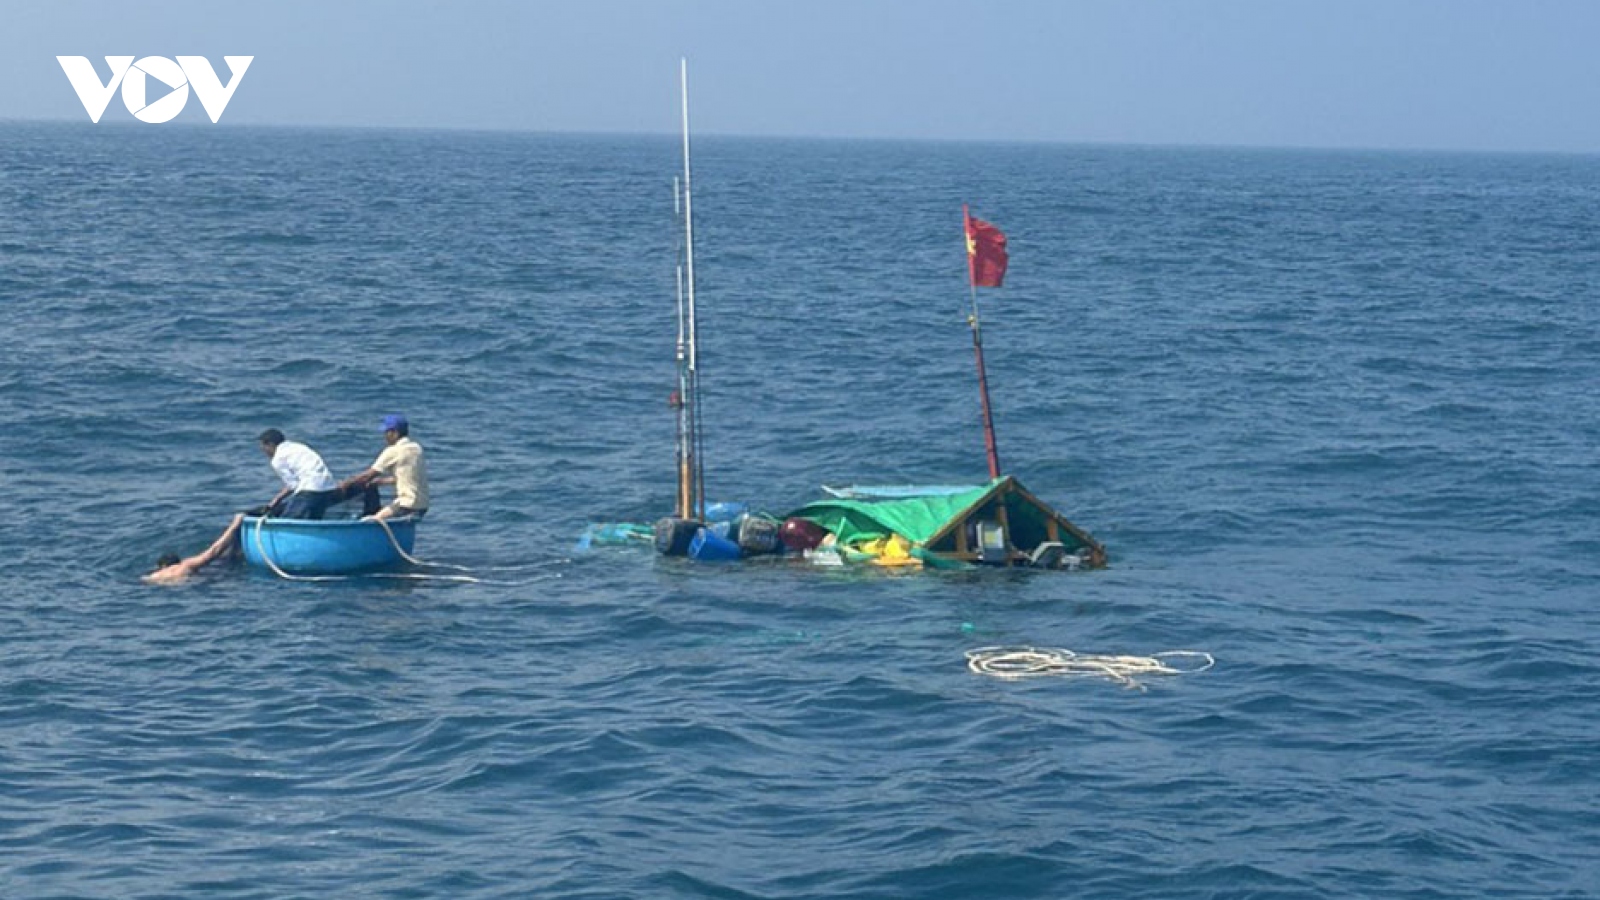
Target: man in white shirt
401, 464
308, 486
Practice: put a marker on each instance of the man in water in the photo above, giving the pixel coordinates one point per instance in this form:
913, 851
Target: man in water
170, 568
308, 486
400, 464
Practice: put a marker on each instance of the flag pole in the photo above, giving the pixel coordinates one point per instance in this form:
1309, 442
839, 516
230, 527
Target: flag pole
681, 396
989, 444
691, 465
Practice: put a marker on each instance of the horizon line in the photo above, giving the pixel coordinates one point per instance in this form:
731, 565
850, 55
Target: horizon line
885, 139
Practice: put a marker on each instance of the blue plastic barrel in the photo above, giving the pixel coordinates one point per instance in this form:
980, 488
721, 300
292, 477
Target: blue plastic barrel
724, 512
707, 546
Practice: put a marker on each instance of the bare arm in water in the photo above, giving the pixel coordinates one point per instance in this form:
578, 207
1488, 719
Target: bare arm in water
183, 568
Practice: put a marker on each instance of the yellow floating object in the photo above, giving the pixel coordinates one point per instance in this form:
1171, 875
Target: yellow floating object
895, 551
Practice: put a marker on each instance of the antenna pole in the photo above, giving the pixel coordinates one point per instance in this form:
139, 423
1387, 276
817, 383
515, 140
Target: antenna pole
983, 391
679, 404
989, 444
692, 500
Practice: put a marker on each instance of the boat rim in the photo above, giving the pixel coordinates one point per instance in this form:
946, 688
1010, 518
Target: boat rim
329, 523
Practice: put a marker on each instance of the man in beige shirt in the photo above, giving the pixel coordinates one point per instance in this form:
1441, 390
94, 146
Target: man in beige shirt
401, 464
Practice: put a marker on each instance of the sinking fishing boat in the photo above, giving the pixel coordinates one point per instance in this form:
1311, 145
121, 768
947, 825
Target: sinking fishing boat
998, 523
299, 547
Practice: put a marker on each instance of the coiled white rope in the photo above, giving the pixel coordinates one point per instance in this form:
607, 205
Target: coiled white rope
1038, 662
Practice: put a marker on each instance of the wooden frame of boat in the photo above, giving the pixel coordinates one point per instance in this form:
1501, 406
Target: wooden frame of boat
1025, 543
1000, 523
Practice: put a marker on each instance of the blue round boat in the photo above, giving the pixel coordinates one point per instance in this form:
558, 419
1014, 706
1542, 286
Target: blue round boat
327, 546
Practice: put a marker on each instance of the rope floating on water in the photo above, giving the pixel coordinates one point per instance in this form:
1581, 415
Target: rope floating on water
1038, 662
395, 543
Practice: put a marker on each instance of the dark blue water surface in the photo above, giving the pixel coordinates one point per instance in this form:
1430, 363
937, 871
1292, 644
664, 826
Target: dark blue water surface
1335, 415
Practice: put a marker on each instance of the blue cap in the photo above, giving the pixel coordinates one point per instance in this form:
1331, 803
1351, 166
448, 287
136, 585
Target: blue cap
394, 422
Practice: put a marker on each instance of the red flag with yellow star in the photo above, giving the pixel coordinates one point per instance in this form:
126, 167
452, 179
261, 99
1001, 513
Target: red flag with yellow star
986, 252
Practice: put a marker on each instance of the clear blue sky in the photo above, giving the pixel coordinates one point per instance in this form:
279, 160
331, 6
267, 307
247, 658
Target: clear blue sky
1454, 74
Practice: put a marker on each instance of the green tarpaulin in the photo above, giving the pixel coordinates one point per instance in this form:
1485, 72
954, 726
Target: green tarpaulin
944, 521
914, 518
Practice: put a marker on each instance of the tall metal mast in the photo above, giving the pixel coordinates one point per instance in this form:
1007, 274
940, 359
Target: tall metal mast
691, 468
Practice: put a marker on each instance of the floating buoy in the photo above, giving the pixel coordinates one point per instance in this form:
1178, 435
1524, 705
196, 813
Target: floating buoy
725, 511
673, 535
758, 535
799, 534
708, 546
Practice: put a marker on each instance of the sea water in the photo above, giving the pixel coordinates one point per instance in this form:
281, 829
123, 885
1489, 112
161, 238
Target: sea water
1333, 414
